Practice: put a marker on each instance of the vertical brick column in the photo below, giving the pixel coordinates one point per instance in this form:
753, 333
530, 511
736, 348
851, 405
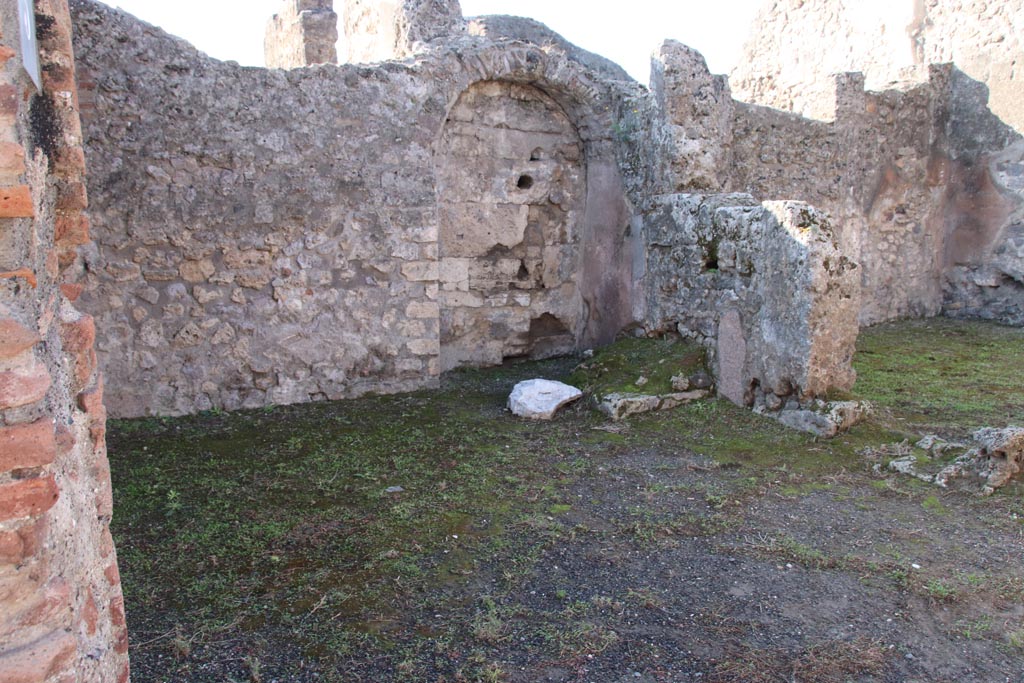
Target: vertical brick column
61, 611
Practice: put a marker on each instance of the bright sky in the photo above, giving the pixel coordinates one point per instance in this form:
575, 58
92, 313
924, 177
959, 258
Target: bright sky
626, 33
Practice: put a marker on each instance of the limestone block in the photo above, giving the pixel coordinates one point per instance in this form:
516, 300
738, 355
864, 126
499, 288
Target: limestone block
540, 399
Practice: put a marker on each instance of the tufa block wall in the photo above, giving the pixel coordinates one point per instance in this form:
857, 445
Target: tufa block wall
61, 610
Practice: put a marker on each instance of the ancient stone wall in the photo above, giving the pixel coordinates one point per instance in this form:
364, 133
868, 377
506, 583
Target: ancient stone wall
273, 237
796, 45
895, 170
303, 32
61, 611
870, 170
764, 286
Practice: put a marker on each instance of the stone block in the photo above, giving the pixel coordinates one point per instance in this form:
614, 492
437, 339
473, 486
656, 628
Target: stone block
423, 309
420, 271
424, 347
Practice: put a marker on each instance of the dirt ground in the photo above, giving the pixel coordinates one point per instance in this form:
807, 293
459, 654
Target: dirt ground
434, 537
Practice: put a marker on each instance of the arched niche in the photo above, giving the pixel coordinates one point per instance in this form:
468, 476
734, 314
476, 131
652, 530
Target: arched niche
512, 192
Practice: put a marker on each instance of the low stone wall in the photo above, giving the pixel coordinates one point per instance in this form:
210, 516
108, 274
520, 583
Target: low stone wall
62, 615
274, 237
764, 287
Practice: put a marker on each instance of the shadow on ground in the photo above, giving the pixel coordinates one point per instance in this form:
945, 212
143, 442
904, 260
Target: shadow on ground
433, 537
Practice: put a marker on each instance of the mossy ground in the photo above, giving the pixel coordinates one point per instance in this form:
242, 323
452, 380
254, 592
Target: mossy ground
264, 545
644, 366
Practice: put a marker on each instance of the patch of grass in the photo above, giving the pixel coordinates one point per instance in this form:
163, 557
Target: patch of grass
975, 629
789, 548
1016, 639
942, 375
934, 505
940, 591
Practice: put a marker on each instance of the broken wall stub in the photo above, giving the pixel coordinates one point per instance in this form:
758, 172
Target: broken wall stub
274, 236
303, 32
511, 196
62, 613
698, 110
765, 287
379, 30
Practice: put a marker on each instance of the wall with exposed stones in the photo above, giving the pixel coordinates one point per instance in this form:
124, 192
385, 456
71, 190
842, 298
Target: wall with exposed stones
302, 32
268, 236
61, 611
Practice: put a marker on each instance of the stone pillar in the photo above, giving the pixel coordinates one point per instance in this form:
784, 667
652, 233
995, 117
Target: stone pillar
61, 610
303, 32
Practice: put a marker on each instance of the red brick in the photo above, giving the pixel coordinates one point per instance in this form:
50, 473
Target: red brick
51, 607
37, 661
91, 400
65, 439
72, 196
90, 615
71, 230
52, 264
71, 161
23, 386
9, 100
58, 78
79, 336
121, 640
117, 611
16, 202
125, 674
25, 274
32, 536
28, 497
12, 159
15, 338
28, 445
12, 548
72, 290
113, 574
5, 54
104, 492
106, 545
